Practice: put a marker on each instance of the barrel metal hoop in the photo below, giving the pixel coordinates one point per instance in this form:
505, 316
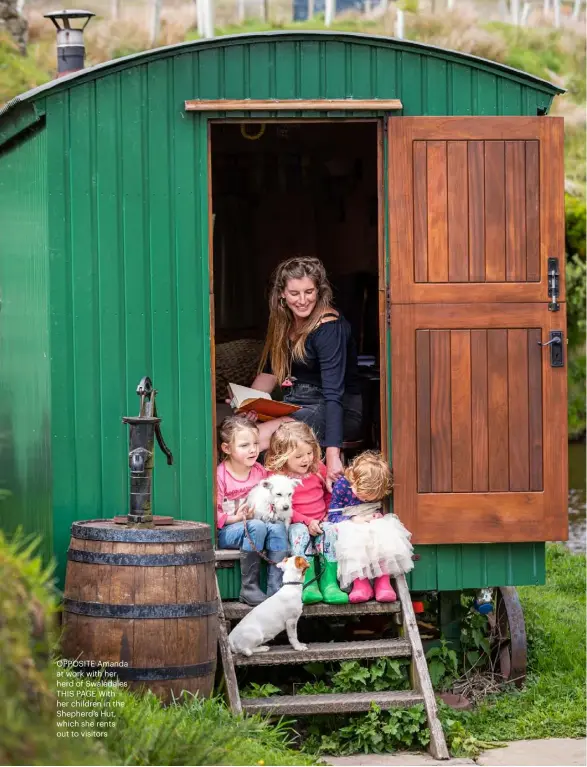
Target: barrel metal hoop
161, 674
140, 560
101, 610
136, 535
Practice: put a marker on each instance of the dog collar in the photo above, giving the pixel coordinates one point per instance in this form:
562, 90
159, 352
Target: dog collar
292, 583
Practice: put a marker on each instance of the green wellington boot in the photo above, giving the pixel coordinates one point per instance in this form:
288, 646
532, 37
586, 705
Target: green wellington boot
311, 594
331, 591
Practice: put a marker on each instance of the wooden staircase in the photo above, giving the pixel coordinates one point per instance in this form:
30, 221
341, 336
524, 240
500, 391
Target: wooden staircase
409, 646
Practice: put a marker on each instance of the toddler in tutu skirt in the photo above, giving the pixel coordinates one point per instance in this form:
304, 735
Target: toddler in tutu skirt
371, 545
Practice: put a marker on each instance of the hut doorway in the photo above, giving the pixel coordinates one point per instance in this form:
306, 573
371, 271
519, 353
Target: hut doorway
281, 189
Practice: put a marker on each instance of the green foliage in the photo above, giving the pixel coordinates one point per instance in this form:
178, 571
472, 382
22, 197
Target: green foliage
17, 73
552, 702
374, 732
28, 606
254, 690
474, 639
196, 731
575, 215
460, 742
576, 293
442, 665
358, 676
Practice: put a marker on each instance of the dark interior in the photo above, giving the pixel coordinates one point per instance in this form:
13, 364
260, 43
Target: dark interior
294, 189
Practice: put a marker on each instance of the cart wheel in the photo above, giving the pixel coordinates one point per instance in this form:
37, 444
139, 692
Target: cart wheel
508, 635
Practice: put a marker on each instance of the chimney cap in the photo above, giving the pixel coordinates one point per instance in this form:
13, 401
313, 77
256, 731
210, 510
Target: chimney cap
67, 15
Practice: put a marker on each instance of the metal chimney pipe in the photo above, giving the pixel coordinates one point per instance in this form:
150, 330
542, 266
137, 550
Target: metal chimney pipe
70, 40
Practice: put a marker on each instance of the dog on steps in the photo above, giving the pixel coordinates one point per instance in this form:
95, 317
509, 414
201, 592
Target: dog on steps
277, 613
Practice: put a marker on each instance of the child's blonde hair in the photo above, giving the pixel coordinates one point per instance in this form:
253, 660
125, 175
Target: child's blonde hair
370, 475
284, 443
230, 427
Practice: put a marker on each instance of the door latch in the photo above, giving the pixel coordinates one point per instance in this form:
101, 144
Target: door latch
556, 344
553, 284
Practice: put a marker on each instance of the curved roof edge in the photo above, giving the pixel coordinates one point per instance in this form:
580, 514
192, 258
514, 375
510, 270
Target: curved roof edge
154, 53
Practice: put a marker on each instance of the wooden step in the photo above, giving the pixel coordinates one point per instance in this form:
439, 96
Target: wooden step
327, 651
330, 703
235, 611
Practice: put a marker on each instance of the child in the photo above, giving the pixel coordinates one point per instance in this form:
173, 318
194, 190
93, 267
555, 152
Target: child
294, 451
236, 476
369, 544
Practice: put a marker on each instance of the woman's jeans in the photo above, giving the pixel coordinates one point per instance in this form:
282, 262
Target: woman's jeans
301, 545
313, 410
270, 536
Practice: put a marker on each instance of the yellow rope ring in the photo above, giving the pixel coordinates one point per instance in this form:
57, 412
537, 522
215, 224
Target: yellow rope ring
252, 136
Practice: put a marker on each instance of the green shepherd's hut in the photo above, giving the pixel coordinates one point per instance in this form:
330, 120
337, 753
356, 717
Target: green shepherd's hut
143, 205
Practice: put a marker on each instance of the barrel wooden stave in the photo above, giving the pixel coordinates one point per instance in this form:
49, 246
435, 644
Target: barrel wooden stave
151, 643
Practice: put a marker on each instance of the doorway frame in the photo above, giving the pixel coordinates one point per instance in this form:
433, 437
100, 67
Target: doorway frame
380, 120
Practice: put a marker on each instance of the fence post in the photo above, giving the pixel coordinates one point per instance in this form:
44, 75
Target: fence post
208, 18
576, 9
525, 14
155, 21
399, 24
329, 11
515, 12
557, 13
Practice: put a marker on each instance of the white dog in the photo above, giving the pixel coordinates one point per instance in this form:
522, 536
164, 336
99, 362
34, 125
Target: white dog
271, 499
279, 612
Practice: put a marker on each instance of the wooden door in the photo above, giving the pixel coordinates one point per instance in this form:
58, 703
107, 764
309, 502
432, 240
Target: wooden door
479, 415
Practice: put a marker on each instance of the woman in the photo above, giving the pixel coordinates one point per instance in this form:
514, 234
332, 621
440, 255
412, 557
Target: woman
309, 350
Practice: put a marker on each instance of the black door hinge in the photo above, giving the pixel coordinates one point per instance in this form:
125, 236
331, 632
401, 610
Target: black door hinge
553, 284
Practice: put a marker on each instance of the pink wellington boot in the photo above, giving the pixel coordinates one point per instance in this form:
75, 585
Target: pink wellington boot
383, 589
362, 591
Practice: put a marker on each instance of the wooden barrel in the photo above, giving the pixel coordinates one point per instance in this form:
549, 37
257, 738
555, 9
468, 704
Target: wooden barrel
144, 600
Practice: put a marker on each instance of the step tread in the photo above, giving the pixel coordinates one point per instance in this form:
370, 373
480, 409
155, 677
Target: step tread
238, 610
325, 651
330, 703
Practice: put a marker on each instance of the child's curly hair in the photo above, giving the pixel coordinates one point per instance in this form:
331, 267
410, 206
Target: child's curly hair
370, 475
284, 443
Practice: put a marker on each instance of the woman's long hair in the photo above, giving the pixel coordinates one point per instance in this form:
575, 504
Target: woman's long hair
281, 321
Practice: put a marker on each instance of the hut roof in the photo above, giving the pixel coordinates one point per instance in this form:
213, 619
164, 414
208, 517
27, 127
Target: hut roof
99, 70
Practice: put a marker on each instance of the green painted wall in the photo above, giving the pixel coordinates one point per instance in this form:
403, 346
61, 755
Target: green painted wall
25, 388
128, 239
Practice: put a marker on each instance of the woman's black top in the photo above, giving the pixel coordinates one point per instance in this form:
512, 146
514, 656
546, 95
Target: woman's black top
330, 364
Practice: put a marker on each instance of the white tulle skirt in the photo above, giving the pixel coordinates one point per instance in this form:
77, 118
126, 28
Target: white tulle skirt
371, 549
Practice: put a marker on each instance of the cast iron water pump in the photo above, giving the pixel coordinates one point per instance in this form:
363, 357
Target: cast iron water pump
143, 430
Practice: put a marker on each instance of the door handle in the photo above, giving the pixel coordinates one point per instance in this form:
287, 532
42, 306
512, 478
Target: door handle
556, 348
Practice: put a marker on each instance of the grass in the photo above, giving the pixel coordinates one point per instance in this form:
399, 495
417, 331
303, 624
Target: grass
190, 731
552, 703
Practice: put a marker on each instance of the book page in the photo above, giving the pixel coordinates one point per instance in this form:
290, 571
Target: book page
242, 393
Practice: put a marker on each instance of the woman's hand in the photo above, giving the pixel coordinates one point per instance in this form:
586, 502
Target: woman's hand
314, 527
248, 512
334, 467
250, 415
359, 520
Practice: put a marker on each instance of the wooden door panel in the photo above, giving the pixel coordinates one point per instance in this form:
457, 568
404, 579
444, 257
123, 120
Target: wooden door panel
476, 206
479, 451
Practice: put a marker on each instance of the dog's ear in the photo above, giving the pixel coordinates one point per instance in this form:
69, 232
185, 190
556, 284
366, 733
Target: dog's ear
301, 564
266, 484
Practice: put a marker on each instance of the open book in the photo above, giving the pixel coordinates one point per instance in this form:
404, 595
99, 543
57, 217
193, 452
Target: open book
244, 399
